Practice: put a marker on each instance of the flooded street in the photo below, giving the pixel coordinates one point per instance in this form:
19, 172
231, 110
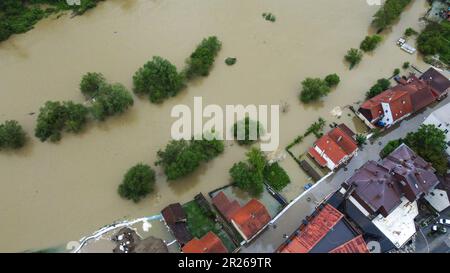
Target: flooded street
54, 193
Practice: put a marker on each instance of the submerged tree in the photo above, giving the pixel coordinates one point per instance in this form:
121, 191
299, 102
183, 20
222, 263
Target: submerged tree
54, 117
370, 43
158, 79
353, 57
202, 59
313, 89
91, 83
247, 131
111, 100
137, 183
12, 135
249, 175
181, 157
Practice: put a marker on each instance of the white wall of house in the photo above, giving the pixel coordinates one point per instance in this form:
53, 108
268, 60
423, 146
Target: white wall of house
387, 114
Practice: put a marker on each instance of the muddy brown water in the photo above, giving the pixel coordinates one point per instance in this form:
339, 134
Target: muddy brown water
53, 193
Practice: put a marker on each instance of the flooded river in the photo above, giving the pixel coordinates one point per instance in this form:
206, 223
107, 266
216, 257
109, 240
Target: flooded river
53, 193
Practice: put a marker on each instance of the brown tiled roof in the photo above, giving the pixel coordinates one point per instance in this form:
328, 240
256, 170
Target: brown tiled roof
174, 213
180, 232
209, 243
315, 231
378, 187
416, 175
356, 245
251, 218
437, 81
226, 207
420, 92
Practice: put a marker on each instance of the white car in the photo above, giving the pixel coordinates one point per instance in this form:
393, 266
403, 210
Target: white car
438, 229
444, 221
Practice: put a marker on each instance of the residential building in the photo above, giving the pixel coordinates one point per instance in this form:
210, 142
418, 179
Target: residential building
373, 211
327, 231
250, 219
209, 243
438, 82
175, 218
412, 94
334, 148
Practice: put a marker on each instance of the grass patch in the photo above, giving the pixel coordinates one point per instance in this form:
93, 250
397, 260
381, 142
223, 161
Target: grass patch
201, 222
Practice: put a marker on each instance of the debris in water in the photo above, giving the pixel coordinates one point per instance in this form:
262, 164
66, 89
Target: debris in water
230, 60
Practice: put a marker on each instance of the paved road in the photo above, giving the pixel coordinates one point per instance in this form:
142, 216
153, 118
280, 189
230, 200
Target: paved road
292, 218
439, 243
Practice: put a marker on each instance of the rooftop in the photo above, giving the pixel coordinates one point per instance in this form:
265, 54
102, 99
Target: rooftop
251, 218
438, 81
379, 187
209, 243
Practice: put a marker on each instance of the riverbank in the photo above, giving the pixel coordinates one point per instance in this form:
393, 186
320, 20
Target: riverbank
59, 192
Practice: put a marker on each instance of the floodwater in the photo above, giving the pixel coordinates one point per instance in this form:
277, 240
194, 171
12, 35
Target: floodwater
54, 193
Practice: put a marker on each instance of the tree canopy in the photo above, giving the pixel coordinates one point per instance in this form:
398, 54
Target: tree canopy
378, 88
313, 89
247, 131
389, 12
158, 79
276, 176
428, 142
111, 99
91, 83
137, 182
20, 16
249, 175
12, 135
353, 57
370, 43
54, 117
332, 80
434, 40
181, 157
202, 59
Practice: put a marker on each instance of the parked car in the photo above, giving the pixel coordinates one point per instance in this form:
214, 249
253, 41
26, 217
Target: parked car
438, 229
444, 221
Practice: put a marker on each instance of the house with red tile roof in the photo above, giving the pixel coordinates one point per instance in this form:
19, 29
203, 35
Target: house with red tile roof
225, 206
334, 148
327, 231
411, 95
250, 219
387, 108
209, 243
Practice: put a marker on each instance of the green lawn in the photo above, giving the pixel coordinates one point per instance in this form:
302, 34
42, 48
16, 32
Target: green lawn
199, 224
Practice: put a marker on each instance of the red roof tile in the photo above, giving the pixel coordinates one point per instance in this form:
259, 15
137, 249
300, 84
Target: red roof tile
312, 152
336, 145
251, 218
209, 243
356, 245
316, 229
331, 149
346, 142
226, 207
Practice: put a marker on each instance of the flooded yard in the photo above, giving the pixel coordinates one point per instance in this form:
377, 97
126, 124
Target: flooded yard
54, 193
